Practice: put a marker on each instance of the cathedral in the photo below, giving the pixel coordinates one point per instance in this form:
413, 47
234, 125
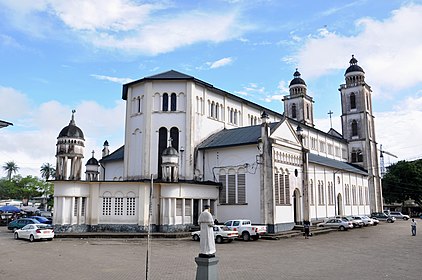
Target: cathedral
189, 144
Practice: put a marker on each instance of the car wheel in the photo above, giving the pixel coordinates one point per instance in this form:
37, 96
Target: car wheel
255, 237
219, 239
195, 237
342, 228
246, 236
16, 235
31, 238
389, 221
405, 218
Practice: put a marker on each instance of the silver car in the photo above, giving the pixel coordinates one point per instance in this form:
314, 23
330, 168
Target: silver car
338, 223
399, 215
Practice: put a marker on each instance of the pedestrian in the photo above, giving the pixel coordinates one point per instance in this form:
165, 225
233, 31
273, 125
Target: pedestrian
306, 227
413, 225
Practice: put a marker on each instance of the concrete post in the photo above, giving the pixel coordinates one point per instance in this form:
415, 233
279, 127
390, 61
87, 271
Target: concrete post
207, 268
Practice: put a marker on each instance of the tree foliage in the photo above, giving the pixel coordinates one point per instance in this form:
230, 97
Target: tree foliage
403, 181
47, 171
24, 188
10, 167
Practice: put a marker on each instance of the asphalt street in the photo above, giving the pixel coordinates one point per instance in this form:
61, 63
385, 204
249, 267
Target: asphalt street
387, 251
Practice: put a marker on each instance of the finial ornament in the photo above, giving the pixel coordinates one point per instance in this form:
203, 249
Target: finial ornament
93, 152
72, 121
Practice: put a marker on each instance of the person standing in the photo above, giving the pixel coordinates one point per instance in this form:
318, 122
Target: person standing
306, 228
413, 225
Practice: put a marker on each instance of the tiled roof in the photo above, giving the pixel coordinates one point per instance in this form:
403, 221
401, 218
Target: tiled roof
340, 165
233, 137
116, 155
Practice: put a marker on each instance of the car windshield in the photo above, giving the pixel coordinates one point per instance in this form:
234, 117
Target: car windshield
43, 226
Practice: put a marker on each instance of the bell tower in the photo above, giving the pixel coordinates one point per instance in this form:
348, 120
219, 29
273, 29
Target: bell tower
298, 105
358, 129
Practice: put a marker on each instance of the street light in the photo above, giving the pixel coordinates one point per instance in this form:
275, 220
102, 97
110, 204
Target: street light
299, 131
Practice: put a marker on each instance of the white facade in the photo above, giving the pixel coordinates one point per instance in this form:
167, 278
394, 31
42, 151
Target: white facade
242, 164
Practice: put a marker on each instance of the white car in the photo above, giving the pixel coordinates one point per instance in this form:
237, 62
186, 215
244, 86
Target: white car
338, 223
399, 215
366, 220
34, 232
221, 233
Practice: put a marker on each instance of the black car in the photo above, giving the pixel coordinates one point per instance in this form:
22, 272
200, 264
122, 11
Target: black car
381, 216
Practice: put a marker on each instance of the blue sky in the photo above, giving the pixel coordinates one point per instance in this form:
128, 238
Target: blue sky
56, 56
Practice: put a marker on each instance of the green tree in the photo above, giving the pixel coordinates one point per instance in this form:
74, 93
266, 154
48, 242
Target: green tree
47, 171
10, 167
403, 181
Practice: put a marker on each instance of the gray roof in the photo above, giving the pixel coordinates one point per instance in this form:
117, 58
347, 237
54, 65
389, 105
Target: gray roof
234, 137
341, 165
4, 123
173, 75
116, 155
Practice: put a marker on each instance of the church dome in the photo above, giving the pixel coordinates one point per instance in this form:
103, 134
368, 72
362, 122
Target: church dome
72, 131
170, 151
297, 80
92, 161
354, 67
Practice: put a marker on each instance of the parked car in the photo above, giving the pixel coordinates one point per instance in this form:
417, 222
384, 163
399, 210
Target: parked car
221, 234
365, 219
245, 229
41, 220
20, 223
355, 222
34, 232
339, 223
381, 216
375, 220
399, 215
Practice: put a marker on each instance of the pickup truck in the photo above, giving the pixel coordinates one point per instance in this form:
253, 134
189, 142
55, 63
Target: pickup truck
245, 229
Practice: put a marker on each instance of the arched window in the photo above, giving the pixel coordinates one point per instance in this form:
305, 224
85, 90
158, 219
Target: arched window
354, 128
174, 134
217, 113
352, 101
165, 102
173, 102
294, 111
162, 145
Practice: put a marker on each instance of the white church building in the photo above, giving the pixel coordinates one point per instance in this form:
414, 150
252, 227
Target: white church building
188, 144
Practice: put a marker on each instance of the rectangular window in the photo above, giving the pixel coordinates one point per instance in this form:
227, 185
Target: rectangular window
222, 195
118, 206
322, 146
106, 206
241, 188
231, 188
188, 207
75, 207
282, 196
311, 193
276, 190
179, 209
130, 206
287, 185
330, 149
83, 202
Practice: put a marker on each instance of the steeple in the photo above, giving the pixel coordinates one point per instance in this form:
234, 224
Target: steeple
298, 105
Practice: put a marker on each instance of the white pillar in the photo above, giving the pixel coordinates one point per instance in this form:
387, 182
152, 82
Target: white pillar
72, 217
63, 210
79, 218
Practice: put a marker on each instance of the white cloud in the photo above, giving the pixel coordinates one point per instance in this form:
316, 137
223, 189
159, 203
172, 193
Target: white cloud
388, 50
127, 25
13, 104
31, 141
220, 63
113, 79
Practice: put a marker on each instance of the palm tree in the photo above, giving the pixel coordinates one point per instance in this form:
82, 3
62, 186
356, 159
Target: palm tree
47, 170
10, 167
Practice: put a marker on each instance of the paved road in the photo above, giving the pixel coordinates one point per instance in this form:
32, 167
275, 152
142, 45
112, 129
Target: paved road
387, 251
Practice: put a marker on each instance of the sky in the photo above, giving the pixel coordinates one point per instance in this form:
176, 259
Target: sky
56, 56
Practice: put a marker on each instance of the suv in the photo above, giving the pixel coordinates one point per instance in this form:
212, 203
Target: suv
399, 215
383, 217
